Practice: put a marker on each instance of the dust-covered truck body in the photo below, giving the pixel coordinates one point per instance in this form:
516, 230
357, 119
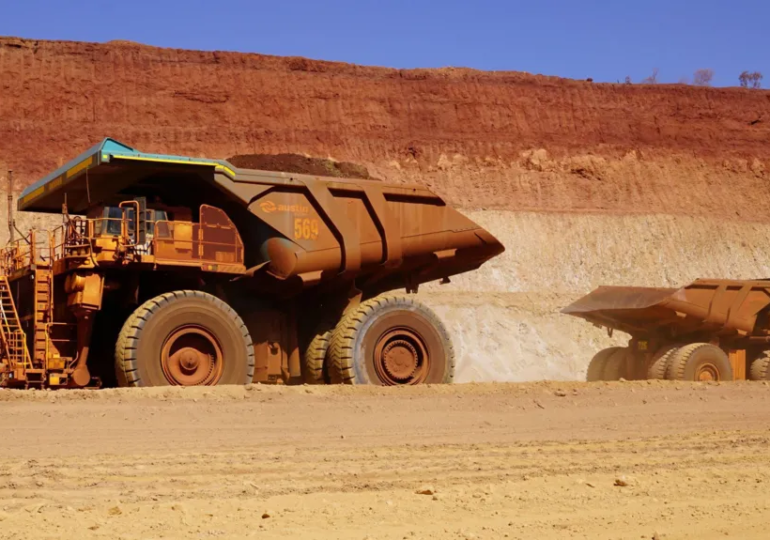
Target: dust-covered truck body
188, 271
708, 330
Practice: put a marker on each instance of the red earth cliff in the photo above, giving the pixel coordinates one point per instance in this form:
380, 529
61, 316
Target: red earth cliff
494, 140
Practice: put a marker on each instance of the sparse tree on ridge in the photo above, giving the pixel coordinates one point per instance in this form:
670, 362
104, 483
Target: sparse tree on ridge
703, 77
652, 79
751, 80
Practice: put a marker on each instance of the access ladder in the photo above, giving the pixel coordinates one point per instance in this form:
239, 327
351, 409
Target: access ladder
13, 341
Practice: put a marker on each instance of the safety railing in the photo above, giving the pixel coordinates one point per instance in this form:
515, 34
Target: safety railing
214, 240
80, 233
38, 247
188, 241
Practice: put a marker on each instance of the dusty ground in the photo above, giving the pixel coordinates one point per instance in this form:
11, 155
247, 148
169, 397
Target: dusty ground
540, 460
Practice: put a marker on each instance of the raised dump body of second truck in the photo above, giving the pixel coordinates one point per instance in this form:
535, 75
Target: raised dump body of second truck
707, 330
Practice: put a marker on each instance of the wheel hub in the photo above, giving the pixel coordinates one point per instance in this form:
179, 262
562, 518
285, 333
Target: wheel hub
401, 357
189, 359
191, 356
707, 372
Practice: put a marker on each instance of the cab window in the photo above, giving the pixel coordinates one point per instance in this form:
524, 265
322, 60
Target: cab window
110, 224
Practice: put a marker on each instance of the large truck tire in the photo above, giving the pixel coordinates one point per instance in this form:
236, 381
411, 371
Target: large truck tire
760, 368
391, 340
315, 368
184, 338
598, 363
660, 362
700, 362
617, 365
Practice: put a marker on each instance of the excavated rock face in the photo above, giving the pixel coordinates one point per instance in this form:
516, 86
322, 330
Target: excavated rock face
585, 183
507, 140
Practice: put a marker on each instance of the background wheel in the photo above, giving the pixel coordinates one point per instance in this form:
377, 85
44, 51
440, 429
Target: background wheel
315, 368
660, 362
760, 368
596, 367
700, 362
391, 340
616, 367
184, 338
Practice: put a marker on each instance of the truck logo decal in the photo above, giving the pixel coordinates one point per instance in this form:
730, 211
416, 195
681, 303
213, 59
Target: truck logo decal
269, 207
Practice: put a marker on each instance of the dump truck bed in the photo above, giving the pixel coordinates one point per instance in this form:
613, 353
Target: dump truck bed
295, 228
716, 307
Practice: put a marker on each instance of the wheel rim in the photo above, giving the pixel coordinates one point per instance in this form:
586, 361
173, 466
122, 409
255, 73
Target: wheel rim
707, 372
191, 356
401, 357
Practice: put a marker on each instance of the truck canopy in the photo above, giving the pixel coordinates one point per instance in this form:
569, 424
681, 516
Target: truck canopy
84, 177
105, 170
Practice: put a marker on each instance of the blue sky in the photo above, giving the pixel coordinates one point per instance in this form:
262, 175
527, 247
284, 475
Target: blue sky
603, 39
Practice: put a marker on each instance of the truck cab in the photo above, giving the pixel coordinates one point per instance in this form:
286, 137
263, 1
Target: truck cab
114, 221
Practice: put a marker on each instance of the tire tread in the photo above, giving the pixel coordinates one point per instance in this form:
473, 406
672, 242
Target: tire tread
760, 368
595, 370
126, 368
341, 353
681, 358
659, 366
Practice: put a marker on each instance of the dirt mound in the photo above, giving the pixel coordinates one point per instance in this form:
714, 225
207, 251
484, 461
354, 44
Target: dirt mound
294, 163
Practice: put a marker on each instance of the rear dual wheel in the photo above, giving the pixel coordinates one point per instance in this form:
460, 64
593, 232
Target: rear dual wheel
609, 364
699, 362
391, 341
660, 362
691, 362
315, 365
760, 368
703, 362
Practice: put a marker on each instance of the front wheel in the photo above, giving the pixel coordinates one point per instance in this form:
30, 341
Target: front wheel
184, 338
389, 341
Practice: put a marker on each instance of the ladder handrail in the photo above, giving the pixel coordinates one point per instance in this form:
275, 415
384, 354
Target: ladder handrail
14, 339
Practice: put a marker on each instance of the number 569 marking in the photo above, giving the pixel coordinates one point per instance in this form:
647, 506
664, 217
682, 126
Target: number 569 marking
305, 229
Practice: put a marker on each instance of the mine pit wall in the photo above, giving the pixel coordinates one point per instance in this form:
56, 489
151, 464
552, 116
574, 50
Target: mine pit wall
505, 318
585, 184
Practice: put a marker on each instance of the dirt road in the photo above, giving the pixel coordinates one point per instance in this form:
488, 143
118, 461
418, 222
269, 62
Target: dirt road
568, 460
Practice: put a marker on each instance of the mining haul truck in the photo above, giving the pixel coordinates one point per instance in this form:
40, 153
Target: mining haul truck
170, 270
709, 330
